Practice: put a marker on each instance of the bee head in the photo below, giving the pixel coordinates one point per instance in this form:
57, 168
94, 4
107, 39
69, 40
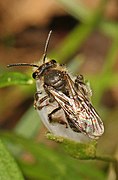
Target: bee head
44, 68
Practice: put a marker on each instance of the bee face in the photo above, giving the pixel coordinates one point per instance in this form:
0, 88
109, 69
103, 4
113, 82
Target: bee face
43, 69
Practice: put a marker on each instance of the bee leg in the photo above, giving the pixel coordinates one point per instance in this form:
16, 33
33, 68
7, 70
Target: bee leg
40, 101
60, 121
40, 107
53, 112
79, 83
79, 79
72, 126
82, 86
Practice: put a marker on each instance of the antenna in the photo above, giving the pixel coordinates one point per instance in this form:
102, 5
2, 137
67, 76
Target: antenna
46, 46
22, 64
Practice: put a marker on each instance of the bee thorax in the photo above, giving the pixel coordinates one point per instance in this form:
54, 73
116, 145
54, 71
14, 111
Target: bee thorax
55, 79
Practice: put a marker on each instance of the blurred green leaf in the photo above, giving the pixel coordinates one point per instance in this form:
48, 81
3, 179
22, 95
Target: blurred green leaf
29, 124
109, 28
72, 170
78, 36
14, 78
8, 167
49, 164
78, 10
107, 74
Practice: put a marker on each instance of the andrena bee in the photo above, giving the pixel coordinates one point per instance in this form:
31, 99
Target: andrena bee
63, 99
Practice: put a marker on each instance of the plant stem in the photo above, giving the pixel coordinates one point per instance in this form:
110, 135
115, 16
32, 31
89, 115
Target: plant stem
106, 158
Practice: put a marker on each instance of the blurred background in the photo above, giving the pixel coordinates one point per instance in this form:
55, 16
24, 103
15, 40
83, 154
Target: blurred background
85, 38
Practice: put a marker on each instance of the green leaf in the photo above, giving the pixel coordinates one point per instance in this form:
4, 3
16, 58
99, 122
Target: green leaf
8, 167
14, 78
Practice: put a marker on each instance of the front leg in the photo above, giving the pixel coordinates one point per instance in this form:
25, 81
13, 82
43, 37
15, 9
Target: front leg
40, 102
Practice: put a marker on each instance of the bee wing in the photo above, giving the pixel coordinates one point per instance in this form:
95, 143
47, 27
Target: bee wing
63, 100
69, 106
88, 118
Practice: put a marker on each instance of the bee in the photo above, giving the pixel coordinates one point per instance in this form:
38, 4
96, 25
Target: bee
63, 99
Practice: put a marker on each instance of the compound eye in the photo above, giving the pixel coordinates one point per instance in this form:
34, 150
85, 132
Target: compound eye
53, 61
34, 75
